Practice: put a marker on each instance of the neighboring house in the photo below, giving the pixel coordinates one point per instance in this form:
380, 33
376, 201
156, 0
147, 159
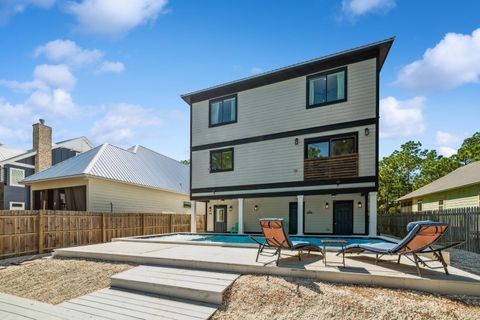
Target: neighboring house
458, 189
16, 165
303, 138
112, 179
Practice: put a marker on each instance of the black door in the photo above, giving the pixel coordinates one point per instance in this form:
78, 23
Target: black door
220, 218
293, 217
343, 217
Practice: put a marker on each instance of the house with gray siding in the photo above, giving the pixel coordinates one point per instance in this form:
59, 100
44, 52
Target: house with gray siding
299, 143
15, 165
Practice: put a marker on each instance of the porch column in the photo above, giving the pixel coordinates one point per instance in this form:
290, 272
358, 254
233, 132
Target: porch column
300, 215
372, 214
193, 217
240, 216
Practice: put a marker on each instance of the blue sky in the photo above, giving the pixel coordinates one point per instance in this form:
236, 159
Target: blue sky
114, 73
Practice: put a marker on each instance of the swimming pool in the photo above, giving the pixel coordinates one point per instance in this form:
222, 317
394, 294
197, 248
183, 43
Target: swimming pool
244, 240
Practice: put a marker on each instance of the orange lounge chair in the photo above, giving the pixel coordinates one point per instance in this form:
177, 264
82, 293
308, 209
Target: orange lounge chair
276, 239
421, 237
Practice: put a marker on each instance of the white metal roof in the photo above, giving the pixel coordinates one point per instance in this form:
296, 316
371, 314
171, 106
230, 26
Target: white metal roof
137, 165
7, 152
463, 176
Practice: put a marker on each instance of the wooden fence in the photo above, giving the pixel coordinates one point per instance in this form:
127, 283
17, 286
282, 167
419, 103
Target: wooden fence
39, 231
464, 224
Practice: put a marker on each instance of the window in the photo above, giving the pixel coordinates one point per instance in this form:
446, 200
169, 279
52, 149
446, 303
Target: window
330, 147
221, 160
223, 111
17, 205
419, 205
326, 88
440, 204
16, 175
187, 204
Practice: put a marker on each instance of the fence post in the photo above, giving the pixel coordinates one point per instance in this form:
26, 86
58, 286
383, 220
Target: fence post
143, 224
41, 227
171, 223
104, 232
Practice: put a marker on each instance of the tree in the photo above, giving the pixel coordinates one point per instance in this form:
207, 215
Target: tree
470, 150
397, 173
185, 162
434, 167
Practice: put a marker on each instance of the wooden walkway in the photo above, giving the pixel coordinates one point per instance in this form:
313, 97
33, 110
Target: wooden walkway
143, 292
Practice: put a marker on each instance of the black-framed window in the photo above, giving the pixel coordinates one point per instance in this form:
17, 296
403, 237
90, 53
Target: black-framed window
221, 160
330, 146
327, 88
223, 111
419, 205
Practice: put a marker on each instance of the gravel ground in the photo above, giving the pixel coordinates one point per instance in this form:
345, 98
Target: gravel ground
465, 260
267, 297
57, 280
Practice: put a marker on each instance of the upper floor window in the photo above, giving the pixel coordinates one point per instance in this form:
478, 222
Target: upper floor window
326, 88
16, 175
223, 111
221, 160
331, 147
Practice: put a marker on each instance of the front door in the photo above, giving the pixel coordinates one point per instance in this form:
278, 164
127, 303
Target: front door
292, 218
220, 218
343, 217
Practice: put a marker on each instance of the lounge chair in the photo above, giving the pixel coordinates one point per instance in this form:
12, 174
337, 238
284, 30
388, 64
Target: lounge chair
277, 239
421, 237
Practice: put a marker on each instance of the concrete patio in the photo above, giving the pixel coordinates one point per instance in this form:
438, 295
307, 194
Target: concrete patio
360, 269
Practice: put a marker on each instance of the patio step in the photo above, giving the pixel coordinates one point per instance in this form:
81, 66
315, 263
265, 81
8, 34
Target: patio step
196, 285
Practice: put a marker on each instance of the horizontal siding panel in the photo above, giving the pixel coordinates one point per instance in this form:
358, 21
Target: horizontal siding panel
278, 160
281, 107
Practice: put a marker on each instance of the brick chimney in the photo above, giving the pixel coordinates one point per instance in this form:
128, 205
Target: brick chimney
42, 143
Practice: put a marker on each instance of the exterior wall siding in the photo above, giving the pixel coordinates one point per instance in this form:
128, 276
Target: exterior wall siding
320, 220
457, 198
278, 160
281, 107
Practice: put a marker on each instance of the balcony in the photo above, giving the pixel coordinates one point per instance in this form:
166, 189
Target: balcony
337, 167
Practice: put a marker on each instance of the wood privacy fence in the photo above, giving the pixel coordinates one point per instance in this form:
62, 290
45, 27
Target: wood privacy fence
39, 231
464, 224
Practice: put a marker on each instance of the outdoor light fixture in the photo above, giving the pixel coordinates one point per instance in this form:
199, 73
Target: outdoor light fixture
255, 207
359, 204
309, 212
326, 205
210, 209
230, 208
367, 131
296, 141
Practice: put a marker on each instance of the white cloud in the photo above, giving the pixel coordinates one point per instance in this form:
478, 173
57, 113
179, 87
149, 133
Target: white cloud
354, 8
447, 143
15, 122
58, 76
401, 118
26, 86
256, 70
11, 7
58, 102
114, 17
454, 61
122, 122
447, 151
67, 51
111, 66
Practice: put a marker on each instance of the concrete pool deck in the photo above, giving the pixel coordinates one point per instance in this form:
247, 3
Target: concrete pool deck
360, 269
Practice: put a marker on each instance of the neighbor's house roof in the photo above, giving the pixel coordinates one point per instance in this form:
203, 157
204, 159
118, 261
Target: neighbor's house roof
7, 152
137, 165
378, 49
463, 176
80, 144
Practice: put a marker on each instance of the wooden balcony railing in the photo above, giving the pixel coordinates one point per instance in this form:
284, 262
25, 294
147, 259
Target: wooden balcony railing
331, 168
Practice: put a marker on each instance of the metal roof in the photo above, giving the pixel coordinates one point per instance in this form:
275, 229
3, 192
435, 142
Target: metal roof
463, 176
137, 165
7, 152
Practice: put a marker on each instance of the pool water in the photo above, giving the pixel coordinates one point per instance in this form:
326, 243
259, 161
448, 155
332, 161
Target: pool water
244, 239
